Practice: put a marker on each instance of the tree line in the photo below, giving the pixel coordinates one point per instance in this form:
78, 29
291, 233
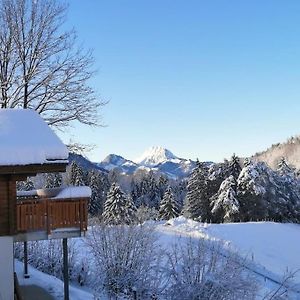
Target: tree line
230, 191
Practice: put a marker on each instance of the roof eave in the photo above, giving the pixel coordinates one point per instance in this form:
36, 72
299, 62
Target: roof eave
33, 169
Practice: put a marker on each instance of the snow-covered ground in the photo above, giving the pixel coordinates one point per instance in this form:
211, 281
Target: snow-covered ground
51, 284
275, 246
271, 248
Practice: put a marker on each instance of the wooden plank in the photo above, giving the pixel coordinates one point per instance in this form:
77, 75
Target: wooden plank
33, 169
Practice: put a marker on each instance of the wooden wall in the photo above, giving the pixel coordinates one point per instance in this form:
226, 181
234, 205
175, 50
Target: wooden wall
7, 205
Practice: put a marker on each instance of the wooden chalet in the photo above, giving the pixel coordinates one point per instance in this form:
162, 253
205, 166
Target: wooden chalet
28, 147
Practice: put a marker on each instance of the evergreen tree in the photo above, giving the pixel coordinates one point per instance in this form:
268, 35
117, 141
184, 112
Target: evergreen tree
251, 192
76, 176
162, 185
225, 205
53, 180
180, 190
247, 162
168, 206
285, 170
131, 211
197, 203
153, 194
27, 185
234, 167
116, 207
146, 191
96, 201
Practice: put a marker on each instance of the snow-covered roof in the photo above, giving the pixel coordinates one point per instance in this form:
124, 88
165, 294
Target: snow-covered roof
25, 139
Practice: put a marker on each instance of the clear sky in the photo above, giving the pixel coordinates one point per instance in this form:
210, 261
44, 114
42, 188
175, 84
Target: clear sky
201, 78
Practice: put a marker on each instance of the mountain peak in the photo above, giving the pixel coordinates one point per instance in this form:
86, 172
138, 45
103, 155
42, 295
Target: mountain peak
114, 159
154, 156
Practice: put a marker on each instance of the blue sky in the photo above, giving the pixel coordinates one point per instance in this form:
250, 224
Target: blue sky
201, 78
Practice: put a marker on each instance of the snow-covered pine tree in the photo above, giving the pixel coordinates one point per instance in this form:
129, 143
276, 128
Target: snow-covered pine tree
179, 188
225, 205
162, 185
27, 185
53, 180
146, 190
251, 190
131, 211
288, 192
96, 201
72, 173
76, 176
285, 170
247, 162
234, 166
197, 203
153, 194
115, 207
168, 208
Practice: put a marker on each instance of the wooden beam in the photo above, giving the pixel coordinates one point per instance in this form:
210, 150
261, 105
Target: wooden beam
31, 170
66, 269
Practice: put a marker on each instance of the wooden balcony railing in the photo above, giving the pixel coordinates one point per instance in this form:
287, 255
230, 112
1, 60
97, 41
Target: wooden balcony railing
51, 214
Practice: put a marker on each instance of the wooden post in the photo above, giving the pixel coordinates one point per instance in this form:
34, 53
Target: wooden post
66, 269
26, 274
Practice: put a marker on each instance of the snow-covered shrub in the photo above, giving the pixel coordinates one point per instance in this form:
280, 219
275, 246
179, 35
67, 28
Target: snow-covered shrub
47, 257
145, 213
127, 259
201, 270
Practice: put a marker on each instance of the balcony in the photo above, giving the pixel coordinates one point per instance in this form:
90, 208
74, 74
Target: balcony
42, 217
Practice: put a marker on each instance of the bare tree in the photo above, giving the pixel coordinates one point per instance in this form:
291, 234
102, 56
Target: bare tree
42, 67
128, 260
199, 270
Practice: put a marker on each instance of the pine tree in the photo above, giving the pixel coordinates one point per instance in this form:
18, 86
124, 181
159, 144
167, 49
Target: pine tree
153, 194
234, 167
116, 210
225, 205
197, 203
27, 185
288, 194
76, 175
251, 190
131, 211
96, 201
168, 206
53, 180
162, 185
146, 191
285, 170
247, 162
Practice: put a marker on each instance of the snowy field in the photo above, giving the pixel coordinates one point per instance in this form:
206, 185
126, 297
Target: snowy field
271, 250
274, 246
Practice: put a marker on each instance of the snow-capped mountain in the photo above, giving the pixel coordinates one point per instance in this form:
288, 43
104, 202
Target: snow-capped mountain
113, 161
157, 159
154, 156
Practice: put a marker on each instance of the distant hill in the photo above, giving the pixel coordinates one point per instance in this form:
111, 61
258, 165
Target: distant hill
290, 150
